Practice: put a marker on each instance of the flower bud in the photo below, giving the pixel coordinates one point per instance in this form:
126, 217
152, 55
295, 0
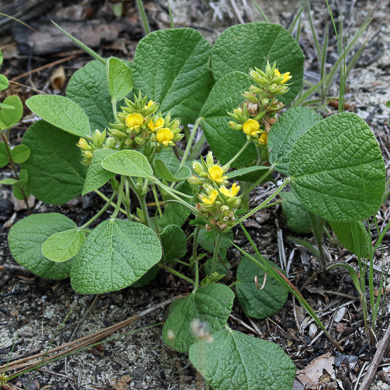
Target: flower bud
210, 159
235, 126
83, 144
250, 97
194, 180
197, 167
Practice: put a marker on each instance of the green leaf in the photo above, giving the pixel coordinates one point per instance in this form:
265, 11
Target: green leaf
2, 105
174, 243
26, 238
3, 82
18, 192
208, 307
163, 171
352, 236
3, 155
1, 57
61, 112
120, 78
206, 240
285, 132
10, 117
20, 154
298, 220
62, 246
225, 142
54, 169
245, 46
88, 87
172, 68
128, 163
115, 255
250, 174
337, 170
258, 303
97, 176
145, 279
8, 182
236, 361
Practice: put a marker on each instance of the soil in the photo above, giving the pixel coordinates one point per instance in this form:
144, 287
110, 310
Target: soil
37, 314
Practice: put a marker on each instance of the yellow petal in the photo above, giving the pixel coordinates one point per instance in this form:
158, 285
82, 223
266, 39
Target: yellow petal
164, 136
134, 120
235, 189
251, 126
215, 172
263, 139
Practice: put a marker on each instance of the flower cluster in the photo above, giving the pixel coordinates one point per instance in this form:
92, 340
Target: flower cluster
256, 116
217, 203
139, 123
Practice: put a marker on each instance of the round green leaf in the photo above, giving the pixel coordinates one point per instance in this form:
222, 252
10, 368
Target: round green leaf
18, 192
61, 112
3, 155
258, 303
297, 218
245, 46
251, 174
234, 361
128, 163
120, 79
3, 82
89, 89
225, 142
62, 246
97, 176
174, 243
172, 68
285, 132
20, 154
337, 170
210, 306
54, 168
26, 238
10, 117
115, 255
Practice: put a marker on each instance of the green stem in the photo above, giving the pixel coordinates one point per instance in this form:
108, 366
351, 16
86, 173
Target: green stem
144, 208
112, 203
257, 182
99, 213
227, 166
214, 261
113, 102
180, 275
156, 200
189, 143
318, 230
261, 205
197, 147
119, 202
144, 21
194, 258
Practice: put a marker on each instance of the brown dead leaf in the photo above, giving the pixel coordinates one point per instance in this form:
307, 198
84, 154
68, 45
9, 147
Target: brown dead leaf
314, 371
14, 312
122, 383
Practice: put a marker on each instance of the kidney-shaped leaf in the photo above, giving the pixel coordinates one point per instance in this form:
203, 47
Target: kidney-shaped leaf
172, 68
89, 89
225, 142
60, 112
337, 170
62, 246
258, 303
235, 361
174, 243
3, 82
26, 238
55, 172
207, 308
245, 46
298, 219
289, 127
114, 255
128, 163
20, 154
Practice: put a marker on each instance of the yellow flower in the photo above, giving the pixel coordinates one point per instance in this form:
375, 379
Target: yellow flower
211, 199
232, 192
263, 139
134, 121
251, 127
154, 126
150, 103
83, 144
216, 174
286, 76
165, 136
